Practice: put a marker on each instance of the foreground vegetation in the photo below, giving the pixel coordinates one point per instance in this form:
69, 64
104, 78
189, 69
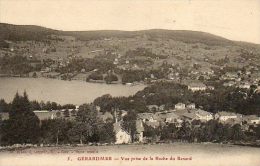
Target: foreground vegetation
23, 126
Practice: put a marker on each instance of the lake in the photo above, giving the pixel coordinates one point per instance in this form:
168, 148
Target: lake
62, 92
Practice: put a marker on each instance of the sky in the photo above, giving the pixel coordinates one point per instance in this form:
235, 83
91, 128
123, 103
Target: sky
233, 19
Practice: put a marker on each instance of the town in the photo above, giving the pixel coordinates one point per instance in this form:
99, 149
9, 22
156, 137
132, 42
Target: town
132, 82
199, 87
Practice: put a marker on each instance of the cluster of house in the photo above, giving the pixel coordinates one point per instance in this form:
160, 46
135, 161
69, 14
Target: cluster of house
160, 117
195, 72
122, 63
203, 72
235, 79
179, 114
238, 78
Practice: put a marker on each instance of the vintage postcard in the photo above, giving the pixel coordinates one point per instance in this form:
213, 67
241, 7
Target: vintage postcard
129, 82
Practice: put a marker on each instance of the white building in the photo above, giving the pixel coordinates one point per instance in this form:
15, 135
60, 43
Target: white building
244, 85
211, 87
45, 114
122, 136
252, 119
115, 61
197, 87
191, 106
173, 118
204, 115
180, 106
224, 116
255, 121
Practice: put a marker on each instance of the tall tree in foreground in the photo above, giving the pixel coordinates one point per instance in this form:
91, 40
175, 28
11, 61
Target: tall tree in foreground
84, 126
106, 133
4, 107
55, 131
23, 124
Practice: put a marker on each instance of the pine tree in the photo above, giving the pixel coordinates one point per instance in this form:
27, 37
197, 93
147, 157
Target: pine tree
23, 124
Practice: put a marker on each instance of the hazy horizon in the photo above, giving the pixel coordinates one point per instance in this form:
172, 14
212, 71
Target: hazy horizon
237, 20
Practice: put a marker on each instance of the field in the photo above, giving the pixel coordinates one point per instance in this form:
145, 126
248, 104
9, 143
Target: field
164, 154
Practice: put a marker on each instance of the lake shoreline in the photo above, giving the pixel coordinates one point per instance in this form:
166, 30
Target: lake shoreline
63, 92
90, 81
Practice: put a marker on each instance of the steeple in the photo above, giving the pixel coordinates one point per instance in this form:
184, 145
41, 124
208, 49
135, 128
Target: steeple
115, 115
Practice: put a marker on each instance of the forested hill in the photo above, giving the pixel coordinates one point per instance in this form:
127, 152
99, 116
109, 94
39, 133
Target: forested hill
153, 34
24, 32
31, 32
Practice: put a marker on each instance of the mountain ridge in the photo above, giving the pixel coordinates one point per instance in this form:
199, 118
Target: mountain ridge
34, 32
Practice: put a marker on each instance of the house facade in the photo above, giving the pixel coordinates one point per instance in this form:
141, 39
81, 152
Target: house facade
173, 118
224, 116
180, 106
122, 136
197, 87
191, 106
204, 115
45, 114
252, 119
244, 85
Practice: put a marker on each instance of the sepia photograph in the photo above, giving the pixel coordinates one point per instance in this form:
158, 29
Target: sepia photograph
129, 82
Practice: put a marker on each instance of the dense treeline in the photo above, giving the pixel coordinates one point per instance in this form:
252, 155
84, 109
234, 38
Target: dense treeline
35, 105
24, 32
211, 131
88, 64
232, 99
86, 128
95, 76
130, 76
143, 52
3, 44
16, 65
110, 77
4, 107
108, 103
24, 127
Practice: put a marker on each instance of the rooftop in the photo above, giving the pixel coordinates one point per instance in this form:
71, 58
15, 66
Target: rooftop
224, 113
202, 112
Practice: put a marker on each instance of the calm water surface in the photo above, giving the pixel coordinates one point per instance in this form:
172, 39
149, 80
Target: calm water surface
62, 92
